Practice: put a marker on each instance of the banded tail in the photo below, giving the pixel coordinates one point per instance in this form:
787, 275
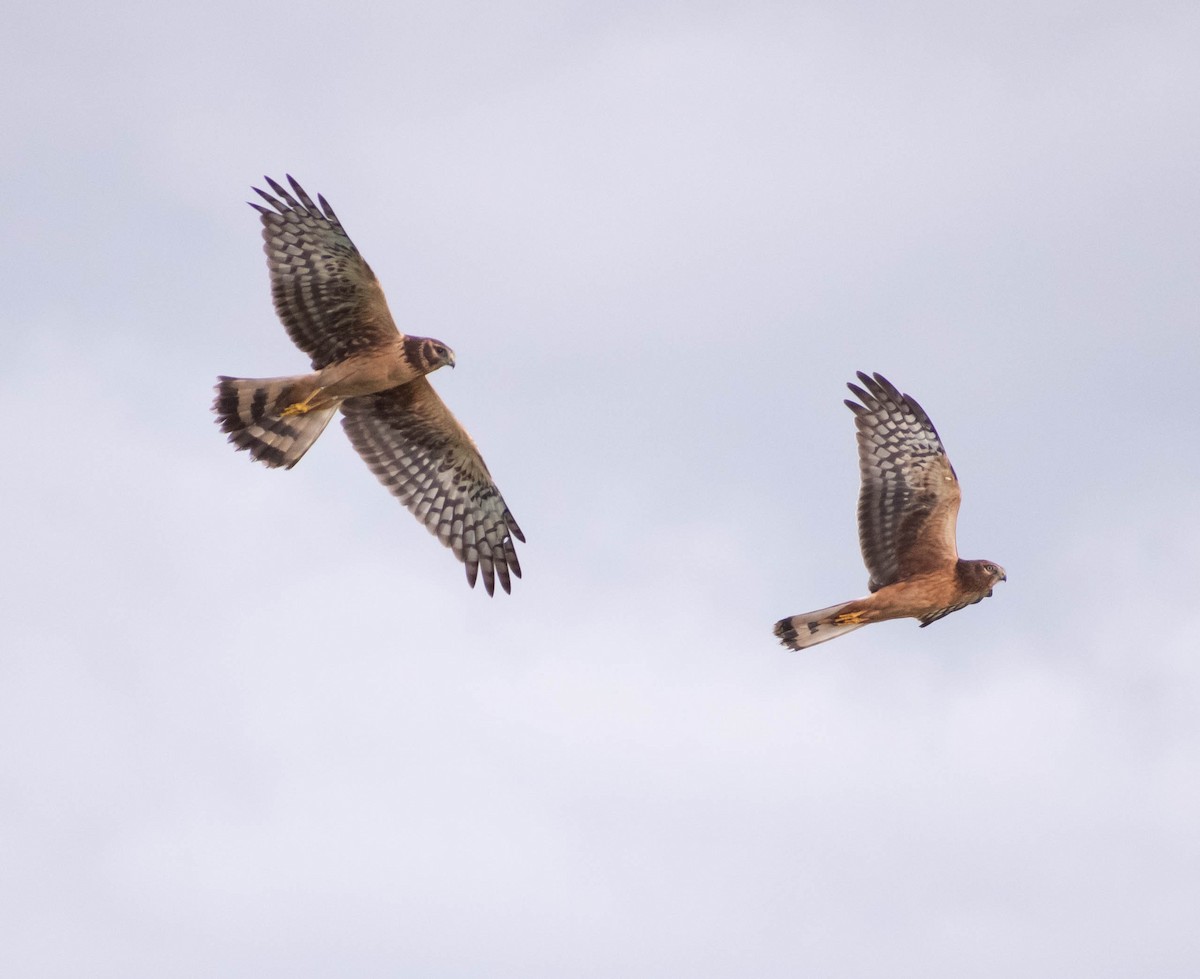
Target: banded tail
811, 628
251, 411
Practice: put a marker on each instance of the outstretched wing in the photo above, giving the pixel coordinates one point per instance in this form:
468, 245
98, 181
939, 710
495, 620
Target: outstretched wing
420, 452
325, 293
908, 504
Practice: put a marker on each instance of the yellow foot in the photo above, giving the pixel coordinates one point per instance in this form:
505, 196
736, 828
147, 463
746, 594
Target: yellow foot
302, 407
849, 618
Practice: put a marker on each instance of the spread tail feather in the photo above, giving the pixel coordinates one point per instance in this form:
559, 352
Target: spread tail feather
811, 628
251, 411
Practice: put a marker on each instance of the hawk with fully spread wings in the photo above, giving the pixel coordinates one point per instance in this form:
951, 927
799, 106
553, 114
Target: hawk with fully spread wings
334, 310
907, 510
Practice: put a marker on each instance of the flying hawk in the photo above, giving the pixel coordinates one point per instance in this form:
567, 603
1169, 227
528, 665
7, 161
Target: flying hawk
907, 510
334, 310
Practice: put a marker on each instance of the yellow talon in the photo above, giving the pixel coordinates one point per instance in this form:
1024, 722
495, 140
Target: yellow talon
302, 407
849, 618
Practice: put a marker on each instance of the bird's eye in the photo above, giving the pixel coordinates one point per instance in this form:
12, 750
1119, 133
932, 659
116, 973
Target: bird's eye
989, 568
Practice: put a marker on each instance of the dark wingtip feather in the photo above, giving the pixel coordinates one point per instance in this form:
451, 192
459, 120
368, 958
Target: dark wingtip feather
878, 391
890, 389
881, 389
273, 201
327, 209
282, 192
302, 194
502, 574
904, 400
862, 396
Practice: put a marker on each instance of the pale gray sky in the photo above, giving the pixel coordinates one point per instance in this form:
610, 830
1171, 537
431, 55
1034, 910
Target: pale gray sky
254, 723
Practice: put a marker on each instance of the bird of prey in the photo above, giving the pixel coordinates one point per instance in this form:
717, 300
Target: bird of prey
334, 310
907, 509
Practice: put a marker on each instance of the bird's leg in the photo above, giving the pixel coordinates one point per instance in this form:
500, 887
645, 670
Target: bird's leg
849, 618
305, 406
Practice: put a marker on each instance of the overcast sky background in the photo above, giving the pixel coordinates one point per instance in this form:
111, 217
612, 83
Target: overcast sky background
255, 723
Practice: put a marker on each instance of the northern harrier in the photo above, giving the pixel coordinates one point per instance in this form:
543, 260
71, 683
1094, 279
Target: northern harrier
907, 509
334, 310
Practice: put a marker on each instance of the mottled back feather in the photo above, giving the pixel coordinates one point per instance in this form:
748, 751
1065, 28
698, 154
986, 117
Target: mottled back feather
908, 503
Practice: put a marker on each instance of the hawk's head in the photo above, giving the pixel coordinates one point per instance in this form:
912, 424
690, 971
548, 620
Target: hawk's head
429, 354
993, 575
979, 578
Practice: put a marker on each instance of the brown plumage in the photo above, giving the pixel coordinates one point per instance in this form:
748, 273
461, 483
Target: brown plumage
907, 509
334, 310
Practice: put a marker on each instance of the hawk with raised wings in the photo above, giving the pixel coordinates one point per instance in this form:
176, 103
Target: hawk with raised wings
334, 310
907, 509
